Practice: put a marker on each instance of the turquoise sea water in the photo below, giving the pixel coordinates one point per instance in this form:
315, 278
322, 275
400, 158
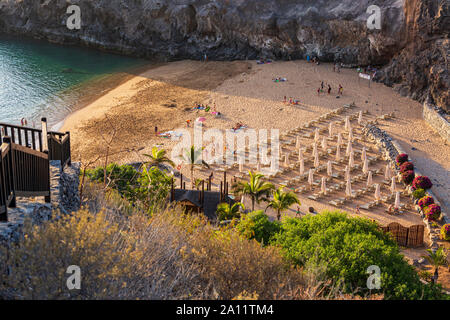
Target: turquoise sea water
40, 79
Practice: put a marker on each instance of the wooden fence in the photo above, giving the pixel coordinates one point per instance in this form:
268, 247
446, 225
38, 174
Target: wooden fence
57, 143
25, 162
406, 237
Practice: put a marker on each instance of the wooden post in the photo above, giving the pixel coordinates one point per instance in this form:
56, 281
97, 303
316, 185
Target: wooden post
12, 165
203, 192
44, 135
48, 198
69, 163
172, 190
221, 183
181, 182
3, 215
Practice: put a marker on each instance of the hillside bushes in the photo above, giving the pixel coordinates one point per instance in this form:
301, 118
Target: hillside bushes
345, 247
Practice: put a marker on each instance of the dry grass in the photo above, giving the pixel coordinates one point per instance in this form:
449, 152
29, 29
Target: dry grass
127, 255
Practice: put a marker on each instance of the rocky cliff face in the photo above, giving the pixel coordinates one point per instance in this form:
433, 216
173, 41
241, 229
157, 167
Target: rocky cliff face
333, 30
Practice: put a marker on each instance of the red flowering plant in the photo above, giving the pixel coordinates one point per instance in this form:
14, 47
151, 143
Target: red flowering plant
432, 212
401, 158
406, 166
445, 232
408, 177
425, 201
421, 182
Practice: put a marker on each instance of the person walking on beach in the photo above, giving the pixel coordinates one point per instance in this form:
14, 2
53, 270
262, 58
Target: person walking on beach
318, 92
321, 85
156, 131
329, 89
341, 90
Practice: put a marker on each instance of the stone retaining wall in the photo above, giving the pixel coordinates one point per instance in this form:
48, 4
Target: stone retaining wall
434, 118
64, 199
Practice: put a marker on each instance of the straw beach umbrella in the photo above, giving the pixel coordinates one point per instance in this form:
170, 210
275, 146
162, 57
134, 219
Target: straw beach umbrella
397, 200
349, 148
300, 154
324, 185
324, 144
377, 192
338, 153
351, 160
316, 160
348, 189
314, 149
339, 140
369, 179
302, 167
347, 172
317, 135
363, 154
311, 177
286, 159
329, 169
393, 186
366, 166
387, 172
330, 129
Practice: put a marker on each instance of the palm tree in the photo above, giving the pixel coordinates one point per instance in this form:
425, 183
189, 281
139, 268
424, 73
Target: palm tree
436, 259
158, 157
282, 201
193, 157
256, 188
227, 212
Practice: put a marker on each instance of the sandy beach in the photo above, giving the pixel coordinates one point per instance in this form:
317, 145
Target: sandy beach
245, 92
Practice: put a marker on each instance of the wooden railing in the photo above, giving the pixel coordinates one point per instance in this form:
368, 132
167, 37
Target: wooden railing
57, 143
25, 162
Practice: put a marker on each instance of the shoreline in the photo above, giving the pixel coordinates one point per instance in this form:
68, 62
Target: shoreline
114, 80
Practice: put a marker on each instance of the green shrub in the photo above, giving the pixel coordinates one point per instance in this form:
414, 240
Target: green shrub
256, 225
346, 247
419, 193
123, 178
148, 188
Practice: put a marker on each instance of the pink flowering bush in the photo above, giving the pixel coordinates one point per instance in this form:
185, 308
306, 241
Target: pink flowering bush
422, 182
408, 177
432, 212
406, 166
401, 158
425, 202
445, 232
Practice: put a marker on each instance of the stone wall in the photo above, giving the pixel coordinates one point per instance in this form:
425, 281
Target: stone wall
434, 117
64, 199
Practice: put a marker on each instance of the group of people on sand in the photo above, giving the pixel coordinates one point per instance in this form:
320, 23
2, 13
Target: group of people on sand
238, 126
292, 101
321, 89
